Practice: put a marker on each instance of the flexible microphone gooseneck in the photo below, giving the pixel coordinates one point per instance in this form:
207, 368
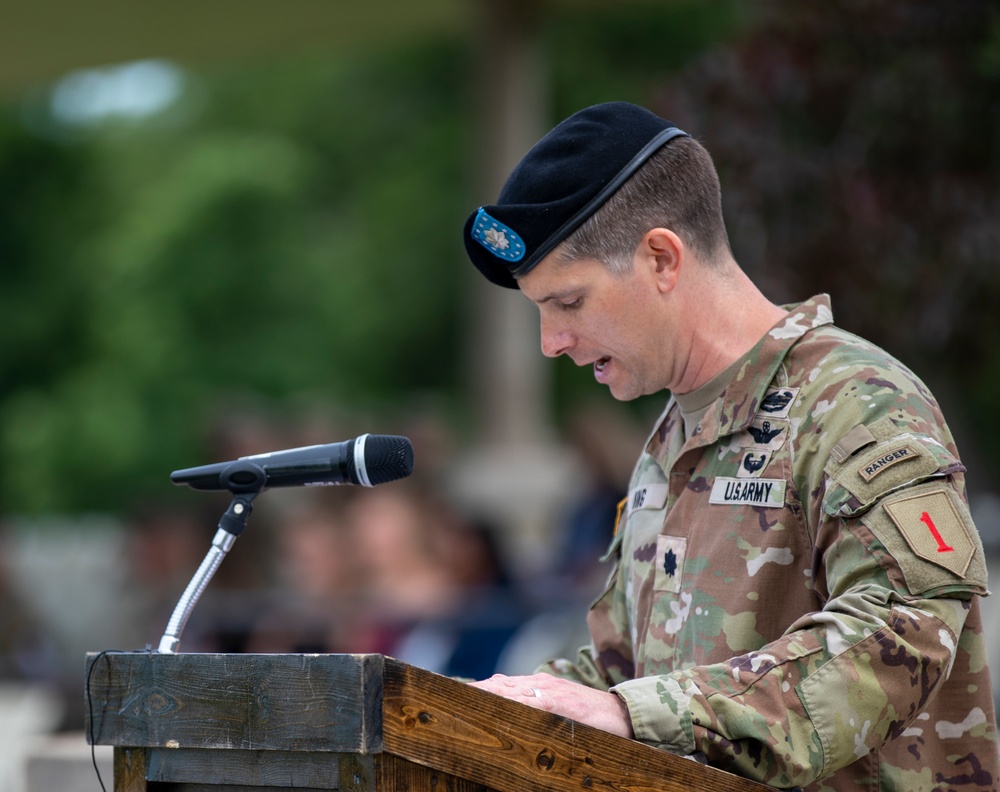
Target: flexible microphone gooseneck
367, 460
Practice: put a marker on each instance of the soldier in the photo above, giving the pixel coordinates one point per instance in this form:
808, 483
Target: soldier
796, 580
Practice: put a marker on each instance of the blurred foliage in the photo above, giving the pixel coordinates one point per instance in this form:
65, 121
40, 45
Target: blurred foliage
282, 244
286, 237
858, 142
630, 51
284, 240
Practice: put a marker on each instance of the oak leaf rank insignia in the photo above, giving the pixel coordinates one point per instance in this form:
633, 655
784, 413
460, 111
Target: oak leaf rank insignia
499, 239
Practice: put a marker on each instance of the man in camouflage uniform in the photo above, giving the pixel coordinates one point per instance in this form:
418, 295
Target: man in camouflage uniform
795, 594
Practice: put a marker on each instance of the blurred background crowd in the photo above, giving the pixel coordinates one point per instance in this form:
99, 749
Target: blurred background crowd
226, 230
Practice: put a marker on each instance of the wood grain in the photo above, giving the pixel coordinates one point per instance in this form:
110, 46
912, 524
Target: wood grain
440, 723
358, 723
289, 702
394, 773
129, 767
297, 769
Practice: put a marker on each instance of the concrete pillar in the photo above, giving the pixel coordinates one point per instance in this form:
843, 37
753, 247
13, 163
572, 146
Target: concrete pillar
519, 476
511, 381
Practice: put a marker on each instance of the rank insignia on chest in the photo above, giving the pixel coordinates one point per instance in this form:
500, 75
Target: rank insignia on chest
670, 551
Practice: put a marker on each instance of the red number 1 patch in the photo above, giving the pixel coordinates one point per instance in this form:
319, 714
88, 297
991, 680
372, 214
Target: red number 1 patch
943, 539
942, 545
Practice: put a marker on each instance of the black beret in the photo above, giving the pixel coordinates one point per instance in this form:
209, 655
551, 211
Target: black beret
561, 182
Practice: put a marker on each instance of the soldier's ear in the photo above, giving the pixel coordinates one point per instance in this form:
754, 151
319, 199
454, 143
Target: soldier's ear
662, 252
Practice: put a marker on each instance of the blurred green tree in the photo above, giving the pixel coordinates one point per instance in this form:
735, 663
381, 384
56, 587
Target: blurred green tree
287, 244
859, 148
286, 236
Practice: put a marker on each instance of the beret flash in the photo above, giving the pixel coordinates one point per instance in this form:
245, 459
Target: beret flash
559, 183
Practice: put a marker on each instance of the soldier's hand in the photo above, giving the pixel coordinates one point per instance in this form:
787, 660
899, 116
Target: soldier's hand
596, 708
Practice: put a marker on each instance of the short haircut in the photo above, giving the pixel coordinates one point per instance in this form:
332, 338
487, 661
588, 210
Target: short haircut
677, 189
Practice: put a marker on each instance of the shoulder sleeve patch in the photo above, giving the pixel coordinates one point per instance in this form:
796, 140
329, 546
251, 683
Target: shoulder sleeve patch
896, 462
930, 534
933, 529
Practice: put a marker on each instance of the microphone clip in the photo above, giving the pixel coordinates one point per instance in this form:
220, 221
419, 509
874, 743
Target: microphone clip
243, 476
234, 520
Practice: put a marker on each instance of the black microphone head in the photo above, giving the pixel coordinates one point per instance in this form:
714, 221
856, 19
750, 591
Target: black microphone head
386, 458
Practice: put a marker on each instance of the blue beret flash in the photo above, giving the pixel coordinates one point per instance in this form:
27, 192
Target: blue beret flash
497, 238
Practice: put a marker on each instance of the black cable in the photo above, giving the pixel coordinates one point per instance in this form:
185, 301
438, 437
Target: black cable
90, 704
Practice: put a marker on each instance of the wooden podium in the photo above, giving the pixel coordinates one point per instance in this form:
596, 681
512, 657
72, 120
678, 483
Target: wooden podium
261, 723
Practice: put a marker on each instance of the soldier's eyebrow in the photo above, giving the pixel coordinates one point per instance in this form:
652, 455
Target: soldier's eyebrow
560, 294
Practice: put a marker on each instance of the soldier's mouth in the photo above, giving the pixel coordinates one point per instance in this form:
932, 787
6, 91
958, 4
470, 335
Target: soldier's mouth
600, 364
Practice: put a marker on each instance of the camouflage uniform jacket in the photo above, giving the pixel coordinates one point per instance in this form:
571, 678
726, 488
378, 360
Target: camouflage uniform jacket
795, 585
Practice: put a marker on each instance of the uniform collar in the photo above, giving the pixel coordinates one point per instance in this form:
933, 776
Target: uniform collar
737, 405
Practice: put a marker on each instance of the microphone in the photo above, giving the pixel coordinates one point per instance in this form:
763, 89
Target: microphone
367, 460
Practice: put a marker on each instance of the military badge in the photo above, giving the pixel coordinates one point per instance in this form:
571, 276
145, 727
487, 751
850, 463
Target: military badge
764, 432
932, 527
753, 463
777, 401
497, 238
902, 453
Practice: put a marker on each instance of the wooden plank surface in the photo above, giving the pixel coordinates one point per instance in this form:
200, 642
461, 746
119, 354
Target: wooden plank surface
263, 721
292, 769
130, 770
329, 703
201, 770
394, 774
438, 722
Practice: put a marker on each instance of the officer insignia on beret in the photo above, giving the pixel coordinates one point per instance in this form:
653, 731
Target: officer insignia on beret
497, 238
